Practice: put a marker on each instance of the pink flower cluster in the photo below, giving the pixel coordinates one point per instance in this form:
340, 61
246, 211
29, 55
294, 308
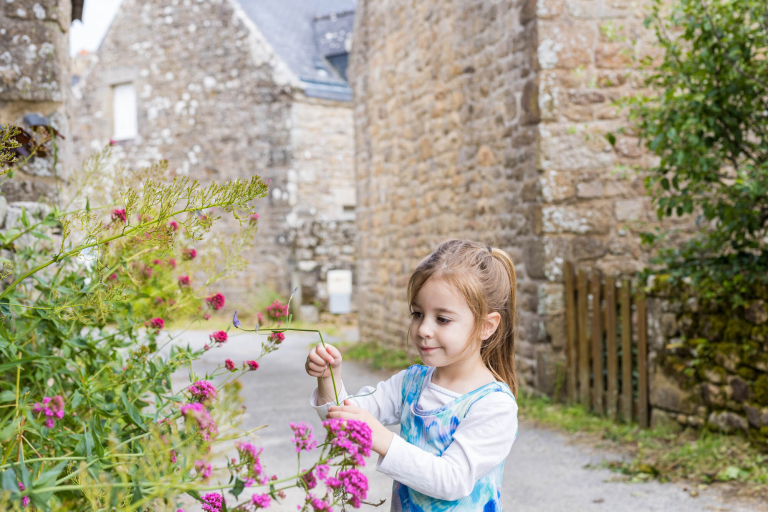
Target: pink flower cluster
52, 408
202, 391
173, 225
250, 467
303, 437
219, 337
188, 254
183, 280
157, 323
229, 365
24, 499
276, 337
216, 301
351, 438
319, 505
255, 218
251, 365
277, 310
204, 470
353, 482
118, 214
202, 417
212, 502
261, 501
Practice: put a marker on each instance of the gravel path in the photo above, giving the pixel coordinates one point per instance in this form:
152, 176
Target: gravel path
545, 472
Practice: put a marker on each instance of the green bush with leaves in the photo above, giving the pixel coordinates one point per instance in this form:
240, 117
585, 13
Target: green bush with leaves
706, 120
88, 417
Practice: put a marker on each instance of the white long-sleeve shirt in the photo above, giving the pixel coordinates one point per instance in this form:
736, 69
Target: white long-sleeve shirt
482, 440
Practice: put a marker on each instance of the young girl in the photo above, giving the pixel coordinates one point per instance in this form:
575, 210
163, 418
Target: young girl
457, 412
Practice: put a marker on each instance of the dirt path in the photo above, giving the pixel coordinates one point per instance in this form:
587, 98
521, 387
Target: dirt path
545, 472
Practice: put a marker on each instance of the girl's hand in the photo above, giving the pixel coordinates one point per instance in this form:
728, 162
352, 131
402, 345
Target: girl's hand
320, 358
380, 435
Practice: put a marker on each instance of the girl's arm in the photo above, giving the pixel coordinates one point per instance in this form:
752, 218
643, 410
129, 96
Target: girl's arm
384, 402
481, 442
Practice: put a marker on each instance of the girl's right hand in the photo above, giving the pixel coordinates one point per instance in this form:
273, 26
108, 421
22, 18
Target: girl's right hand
320, 357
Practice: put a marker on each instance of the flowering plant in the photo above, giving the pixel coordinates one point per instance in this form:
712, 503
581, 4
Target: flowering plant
88, 417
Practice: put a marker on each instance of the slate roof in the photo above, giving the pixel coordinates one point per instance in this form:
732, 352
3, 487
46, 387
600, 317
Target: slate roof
297, 30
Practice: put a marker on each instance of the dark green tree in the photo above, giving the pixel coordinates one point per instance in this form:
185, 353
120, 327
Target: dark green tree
707, 121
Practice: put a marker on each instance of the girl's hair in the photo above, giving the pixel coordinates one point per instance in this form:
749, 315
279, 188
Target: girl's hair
486, 279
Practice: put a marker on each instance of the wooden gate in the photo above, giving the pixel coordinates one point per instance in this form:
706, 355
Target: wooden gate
606, 348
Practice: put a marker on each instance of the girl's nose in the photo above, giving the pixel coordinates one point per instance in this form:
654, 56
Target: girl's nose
424, 330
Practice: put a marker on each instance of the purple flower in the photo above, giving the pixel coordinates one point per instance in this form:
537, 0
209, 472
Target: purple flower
235, 320
261, 500
24, 499
202, 391
303, 437
212, 502
52, 409
322, 471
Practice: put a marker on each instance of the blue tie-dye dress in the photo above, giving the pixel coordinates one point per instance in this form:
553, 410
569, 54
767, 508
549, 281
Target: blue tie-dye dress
432, 431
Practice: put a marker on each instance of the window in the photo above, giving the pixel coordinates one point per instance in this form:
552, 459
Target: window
126, 125
340, 64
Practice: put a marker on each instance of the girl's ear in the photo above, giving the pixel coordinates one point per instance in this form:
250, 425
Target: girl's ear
490, 325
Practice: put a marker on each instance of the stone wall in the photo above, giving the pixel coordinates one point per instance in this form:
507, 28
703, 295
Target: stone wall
445, 118
34, 79
487, 120
708, 365
215, 101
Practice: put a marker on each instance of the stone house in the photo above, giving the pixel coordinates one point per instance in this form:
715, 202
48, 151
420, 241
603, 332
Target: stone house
226, 89
486, 120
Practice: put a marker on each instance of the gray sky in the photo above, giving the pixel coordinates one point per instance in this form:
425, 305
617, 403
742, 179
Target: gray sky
97, 16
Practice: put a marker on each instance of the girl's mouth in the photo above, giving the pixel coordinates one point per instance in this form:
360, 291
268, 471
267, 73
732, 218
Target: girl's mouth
427, 349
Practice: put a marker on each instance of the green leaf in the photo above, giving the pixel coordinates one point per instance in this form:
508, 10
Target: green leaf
9, 481
88, 204
133, 412
195, 495
8, 396
238, 488
611, 138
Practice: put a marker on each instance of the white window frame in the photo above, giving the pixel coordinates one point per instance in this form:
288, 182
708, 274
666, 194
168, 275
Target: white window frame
125, 121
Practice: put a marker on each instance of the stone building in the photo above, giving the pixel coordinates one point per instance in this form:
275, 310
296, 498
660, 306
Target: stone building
226, 89
486, 119
34, 89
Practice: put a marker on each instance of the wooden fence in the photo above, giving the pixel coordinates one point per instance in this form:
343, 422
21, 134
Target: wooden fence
606, 328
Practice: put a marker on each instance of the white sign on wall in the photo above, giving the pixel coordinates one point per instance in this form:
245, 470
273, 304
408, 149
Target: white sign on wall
339, 291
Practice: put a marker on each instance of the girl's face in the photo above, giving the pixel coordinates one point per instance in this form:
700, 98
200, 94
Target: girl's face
441, 323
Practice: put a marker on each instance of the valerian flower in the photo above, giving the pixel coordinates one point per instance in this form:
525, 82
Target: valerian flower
277, 310
354, 483
202, 391
229, 365
172, 263
309, 479
202, 417
118, 214
216, 301
173, 225
204, 469
157, 323
350, 438
276, 337
318, 505
251, 365
52, 409
303, 437
255, 218
24, 499
219, 337
261, 500
212, 502
183, 280
250, 464
188, 254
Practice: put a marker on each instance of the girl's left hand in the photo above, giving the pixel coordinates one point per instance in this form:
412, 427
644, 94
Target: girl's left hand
381, 437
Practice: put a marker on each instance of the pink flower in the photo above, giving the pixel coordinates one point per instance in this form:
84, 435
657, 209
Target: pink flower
206, 316
52, 409
183, 280
174, 225
216, 301
303, 437
112, 142
261, 500
188, 254
255, 218
206, 347
250, 463
229, 365
356, 484
251, 365
260, 318
276, 337
204, 469
159, 300
202, 391
157, 323
173, 456
349, 438
277, 309
309, 480
147, 271
202, 418
322, 471
157, 262
112, 276
218, 337
172, 263
24, 499
319, 505
118, 214
212, 502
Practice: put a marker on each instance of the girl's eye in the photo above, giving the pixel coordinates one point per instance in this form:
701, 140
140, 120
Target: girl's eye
415, 314
443, 320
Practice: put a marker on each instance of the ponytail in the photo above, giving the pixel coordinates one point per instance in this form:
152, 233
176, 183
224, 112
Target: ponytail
498, 351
